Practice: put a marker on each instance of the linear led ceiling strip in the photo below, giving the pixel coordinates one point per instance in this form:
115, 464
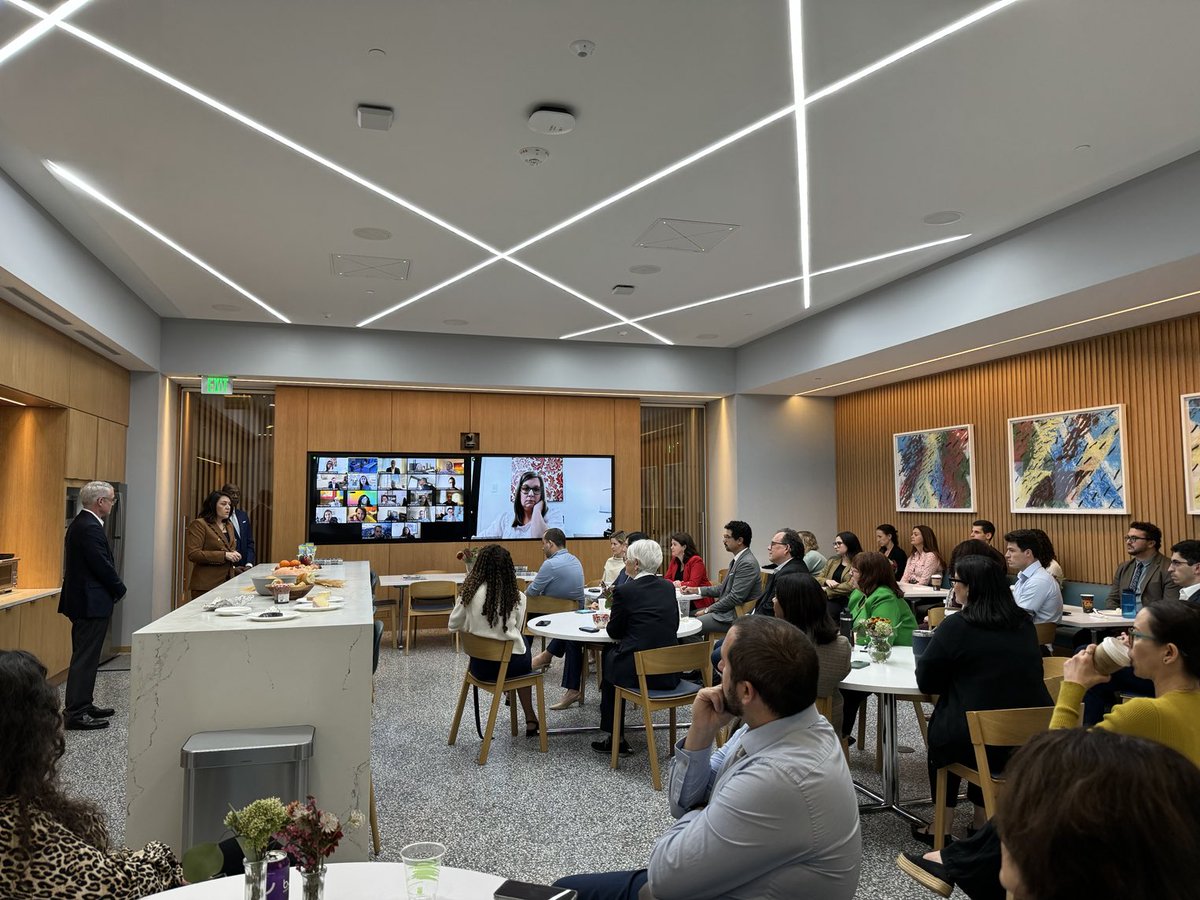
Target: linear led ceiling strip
56, 19
796, 27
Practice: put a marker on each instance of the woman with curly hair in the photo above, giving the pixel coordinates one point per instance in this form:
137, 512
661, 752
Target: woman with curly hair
490, 606
53, 846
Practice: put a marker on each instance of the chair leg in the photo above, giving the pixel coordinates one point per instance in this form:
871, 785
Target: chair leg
921, 722
543, 739
493, 712
375, 841
462, 701
512, 711
618, 715
878, 734
862, 723
939, 811
650, 748
671, 752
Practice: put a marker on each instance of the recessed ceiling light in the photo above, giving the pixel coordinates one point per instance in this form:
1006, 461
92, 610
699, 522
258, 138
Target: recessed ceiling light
326, 315
707, 336
623, 332
944, 217
376, 53
533, 156
14, 402
71, 178
1084, 147
368, 233
226, 307
645, 269
455, 322
370, 293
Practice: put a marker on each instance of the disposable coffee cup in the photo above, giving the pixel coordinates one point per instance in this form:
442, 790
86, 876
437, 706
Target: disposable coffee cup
1110, 656
1087, 602
936, 582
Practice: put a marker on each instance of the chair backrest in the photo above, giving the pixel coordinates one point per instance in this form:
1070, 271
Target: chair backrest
680, 658
1002, 728
376, 645
764, 577
824, 706
374, 583
541, 606
1053, 686
1053, 665
1046, 632
744, 609
432, 590
486, 648
936, 615
721, 575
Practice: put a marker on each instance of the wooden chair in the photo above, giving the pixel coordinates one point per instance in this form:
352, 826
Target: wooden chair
721, 575
1053, 665
501, 652
427, 598
765, 577
989, 728
1053, 686
592, 653
936, 615
664, 660
825, 707
1046, 632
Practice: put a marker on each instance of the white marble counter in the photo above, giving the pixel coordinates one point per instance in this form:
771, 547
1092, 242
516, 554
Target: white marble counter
196, 671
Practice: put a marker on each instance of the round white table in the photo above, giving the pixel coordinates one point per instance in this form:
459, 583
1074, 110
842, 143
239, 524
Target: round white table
352, 881
565, 626
897, 676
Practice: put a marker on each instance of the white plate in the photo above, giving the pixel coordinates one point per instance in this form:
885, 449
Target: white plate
285, 614
233, 610
308, 606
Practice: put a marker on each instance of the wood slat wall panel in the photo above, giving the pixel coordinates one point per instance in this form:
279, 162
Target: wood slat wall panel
1144, 368
290, 482
672, 481
627, 467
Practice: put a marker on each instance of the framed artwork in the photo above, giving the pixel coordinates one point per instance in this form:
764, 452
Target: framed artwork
1190, 411
1068, 462
934, 470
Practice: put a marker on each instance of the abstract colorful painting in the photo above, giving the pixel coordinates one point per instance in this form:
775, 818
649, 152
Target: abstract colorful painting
1068, 462
934, 470
1191, 451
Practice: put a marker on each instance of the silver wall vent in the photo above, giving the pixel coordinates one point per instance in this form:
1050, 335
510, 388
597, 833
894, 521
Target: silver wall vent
44, 310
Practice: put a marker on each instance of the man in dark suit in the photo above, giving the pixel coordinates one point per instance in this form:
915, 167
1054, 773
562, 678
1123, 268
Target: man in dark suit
1145, 572
91, 587
786, 552
742, 582
645, 616
241, 527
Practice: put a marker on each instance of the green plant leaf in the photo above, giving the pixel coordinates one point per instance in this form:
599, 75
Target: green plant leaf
202, 862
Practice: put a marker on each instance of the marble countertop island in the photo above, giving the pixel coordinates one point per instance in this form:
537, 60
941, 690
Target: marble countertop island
194, 670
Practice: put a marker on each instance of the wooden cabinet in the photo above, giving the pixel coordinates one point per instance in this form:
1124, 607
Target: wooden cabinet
46, 634
110, 450
10, 627
81, 445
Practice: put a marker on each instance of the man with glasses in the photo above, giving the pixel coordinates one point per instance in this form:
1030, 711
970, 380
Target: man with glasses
91, 587
1145, 572
785, 550
1184, 569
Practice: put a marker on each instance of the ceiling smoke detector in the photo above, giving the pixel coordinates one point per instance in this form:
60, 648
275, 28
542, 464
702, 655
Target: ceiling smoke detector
534, 156
551, 120
583, 48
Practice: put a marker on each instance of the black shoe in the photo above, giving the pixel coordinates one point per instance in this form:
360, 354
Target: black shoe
926, 873
85, 722
605, 746
926, 837
100, 712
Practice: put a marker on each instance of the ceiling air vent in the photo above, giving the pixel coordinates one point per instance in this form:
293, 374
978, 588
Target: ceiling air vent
103, 346
682, 234
352, 265
44, 310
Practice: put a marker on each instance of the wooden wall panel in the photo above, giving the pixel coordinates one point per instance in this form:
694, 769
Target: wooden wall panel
1144, 368
10, 627
46, 634
438, 417
36, 358
99, 386
290, 478
82, 429
627, 467
337, 416
580, 425
110, 450
33, 447
509, 423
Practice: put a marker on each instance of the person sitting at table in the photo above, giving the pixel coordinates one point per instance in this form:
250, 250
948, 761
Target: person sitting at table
925, 561
1046, 556
1165, 650
1036, 591
561, 575
210, 546
53, 845
814, 559
686, 569
630, 538
799, 599
773, 812
615, 564
491, 606
742, 582
835, 574
644, 616
874, 594
986, 657
888, 540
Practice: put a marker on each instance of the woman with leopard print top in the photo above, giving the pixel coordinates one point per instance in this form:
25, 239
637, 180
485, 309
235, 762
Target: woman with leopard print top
52, 846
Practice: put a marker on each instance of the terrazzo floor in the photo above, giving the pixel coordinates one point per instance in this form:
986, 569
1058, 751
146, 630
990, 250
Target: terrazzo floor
525, 814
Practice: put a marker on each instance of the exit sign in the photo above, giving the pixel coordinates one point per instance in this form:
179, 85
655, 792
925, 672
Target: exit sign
216, 384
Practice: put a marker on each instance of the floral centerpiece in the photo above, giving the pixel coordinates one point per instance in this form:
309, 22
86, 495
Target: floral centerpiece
467, 556
254, 826
309, 836
879, 632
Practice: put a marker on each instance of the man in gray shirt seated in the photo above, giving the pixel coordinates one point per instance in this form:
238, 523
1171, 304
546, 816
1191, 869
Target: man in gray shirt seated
561, 575
772, 813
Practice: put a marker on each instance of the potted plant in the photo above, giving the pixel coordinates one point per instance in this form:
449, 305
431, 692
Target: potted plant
467, 556
309, 836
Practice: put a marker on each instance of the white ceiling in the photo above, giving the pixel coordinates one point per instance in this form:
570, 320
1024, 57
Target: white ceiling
986, 122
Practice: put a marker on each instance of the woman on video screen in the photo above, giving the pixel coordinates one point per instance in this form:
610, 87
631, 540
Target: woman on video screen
531, 514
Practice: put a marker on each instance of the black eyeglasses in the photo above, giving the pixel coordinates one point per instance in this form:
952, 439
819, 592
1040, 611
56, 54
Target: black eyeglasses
530, 489
957, 581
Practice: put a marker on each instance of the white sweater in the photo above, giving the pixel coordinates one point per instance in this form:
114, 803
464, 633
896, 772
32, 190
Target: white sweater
469, 617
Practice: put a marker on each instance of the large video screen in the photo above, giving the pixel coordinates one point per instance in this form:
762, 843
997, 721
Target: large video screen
385, 497
518, 497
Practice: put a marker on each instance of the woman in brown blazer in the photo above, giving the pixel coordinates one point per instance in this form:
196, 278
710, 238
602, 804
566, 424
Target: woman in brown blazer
210, 545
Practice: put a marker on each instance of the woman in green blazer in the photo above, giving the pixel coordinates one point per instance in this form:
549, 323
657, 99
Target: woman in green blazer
875, 594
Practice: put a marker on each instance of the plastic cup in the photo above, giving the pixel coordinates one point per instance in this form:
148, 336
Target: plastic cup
422, 867
685, 606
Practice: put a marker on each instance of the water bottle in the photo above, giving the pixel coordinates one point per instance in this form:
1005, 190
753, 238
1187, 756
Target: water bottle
1129, 603
846, 625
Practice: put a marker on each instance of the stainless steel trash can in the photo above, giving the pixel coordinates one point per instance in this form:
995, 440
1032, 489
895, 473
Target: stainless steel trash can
232, 768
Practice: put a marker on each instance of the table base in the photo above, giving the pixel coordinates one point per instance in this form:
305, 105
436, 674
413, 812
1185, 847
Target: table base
889, 800
587, 729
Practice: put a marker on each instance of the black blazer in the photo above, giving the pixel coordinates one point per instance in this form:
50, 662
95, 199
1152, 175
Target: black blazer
766, 605
899, 559
974, 668
245, 537
645, 616
91, 585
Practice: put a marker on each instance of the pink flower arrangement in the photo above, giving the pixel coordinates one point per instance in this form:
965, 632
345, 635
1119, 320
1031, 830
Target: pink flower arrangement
311, 834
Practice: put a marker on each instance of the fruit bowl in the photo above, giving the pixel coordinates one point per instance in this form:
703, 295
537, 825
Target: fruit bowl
299, 590
261, 582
